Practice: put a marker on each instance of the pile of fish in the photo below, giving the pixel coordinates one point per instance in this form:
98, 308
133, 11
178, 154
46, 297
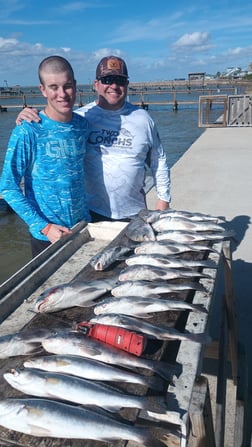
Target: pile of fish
74, 366
74, 373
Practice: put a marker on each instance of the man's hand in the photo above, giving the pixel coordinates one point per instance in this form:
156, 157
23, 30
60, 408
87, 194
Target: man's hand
162, 205
28, 114
55, 232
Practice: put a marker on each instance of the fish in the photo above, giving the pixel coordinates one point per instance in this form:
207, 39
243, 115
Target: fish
22, 343
169, 261
151, 216
146, 288
180, 223
91, 369
185, 237
163, 248
51, 418
74, 343
160, 332
68, 295
108, 256
152, 273
78, 390
138, 306
138, 230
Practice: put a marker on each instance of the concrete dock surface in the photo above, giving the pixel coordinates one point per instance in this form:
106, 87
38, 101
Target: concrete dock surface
214, 177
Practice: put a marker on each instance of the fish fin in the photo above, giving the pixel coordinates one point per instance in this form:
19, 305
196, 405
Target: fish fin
86, 304
36, 430
144, 316
113, 409
33, 348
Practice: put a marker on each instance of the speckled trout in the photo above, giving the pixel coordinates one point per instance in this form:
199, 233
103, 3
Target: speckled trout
180, 223
108, 256
54, 385
153, 273
169, 261
25, 342
75, 343
160, 332
91, 369
50, 418
169, 248
138, 306
151, 216
146, 288
138, 230
188, 237
67, 295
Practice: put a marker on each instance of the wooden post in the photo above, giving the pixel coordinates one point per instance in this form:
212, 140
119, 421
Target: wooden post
230, 309
221, 382
202, 430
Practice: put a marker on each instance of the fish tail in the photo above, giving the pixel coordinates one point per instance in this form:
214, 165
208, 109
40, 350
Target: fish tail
199, 308
167, 371
198, 338
155, 404
155, 383
151, 441
208, 263
198, 286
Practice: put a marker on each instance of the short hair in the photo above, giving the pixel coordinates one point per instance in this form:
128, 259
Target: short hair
54, 64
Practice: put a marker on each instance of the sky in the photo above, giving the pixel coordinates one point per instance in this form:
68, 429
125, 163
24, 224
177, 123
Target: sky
159, 40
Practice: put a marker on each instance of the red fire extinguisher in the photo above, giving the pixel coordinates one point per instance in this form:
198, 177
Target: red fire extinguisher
118, 337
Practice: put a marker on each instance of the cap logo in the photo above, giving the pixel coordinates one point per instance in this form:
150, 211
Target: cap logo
113, 64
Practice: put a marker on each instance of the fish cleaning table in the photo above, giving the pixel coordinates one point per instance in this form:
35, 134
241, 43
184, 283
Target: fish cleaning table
69, 262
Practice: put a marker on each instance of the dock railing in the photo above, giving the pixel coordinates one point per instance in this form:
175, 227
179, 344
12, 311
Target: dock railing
232, 110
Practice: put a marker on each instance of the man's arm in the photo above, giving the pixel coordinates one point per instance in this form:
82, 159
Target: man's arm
10, 187
160, 171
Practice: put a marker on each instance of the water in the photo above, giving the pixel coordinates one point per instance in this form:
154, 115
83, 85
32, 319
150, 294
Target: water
178, 130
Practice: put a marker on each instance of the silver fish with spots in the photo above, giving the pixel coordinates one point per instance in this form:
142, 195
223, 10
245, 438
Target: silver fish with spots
109, 256
180, 223
75, 343
25, 342
151, 216
169, 261
140, 306
146, 288
138, 230
171, 248
77, 390
153, 273
160, 332
91, 369
188, 237
68, 295
50, 418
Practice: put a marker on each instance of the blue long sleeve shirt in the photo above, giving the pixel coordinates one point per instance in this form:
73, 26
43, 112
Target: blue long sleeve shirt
49, 158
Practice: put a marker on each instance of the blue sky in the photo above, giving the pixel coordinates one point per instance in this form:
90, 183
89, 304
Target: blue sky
160, 40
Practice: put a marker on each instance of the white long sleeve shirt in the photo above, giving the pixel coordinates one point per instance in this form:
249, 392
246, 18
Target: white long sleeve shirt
120, 145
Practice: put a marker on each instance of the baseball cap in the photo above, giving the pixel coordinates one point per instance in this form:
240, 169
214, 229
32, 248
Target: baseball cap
111, 65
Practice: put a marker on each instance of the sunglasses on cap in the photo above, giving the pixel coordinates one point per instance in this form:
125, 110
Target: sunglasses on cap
109, 80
